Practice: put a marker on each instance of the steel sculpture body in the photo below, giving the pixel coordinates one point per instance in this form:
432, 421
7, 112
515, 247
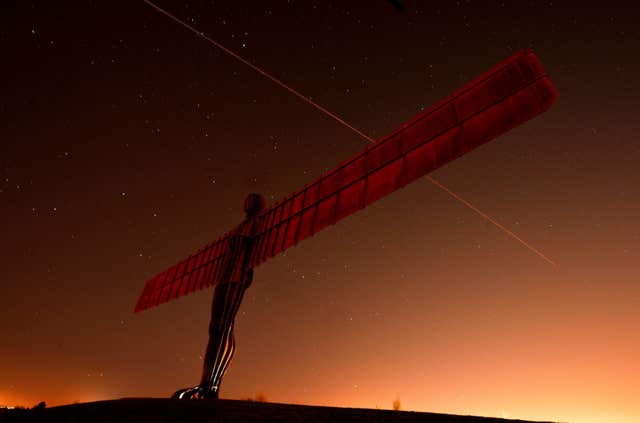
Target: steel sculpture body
508, 95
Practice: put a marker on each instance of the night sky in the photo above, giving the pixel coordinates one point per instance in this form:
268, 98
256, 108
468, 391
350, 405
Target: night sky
127, 142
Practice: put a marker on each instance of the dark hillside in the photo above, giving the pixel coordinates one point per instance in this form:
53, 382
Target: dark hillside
152, 410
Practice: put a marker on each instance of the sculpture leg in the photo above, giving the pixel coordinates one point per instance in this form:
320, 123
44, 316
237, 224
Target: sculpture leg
212, 377
221, 346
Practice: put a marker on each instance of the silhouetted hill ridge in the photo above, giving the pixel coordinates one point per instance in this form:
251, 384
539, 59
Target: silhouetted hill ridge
165, 410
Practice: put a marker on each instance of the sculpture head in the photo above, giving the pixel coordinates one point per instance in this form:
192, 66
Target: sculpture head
254, 204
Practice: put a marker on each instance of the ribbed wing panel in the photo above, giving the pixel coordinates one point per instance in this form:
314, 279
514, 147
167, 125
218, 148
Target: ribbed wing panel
203, 268
508, 95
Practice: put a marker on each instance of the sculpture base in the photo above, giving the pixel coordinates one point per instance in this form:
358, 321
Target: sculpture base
151, 410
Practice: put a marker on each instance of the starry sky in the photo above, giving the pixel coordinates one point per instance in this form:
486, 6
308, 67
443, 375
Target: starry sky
127, 142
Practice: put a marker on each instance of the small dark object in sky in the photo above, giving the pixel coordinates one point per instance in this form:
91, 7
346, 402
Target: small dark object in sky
397, 5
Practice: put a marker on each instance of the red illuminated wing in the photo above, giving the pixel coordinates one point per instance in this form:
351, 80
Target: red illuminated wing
508, 95
202, 269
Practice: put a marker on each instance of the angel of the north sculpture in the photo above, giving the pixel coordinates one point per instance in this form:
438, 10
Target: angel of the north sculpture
506, 96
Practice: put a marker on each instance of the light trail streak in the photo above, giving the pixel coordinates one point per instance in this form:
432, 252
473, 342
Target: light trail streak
492, 220
346, 124
257, 69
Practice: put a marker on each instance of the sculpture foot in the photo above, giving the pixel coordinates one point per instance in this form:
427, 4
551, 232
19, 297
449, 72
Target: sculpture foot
186, 393
196, 392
